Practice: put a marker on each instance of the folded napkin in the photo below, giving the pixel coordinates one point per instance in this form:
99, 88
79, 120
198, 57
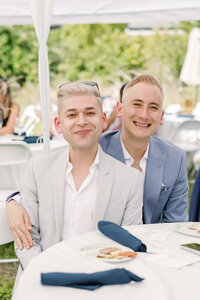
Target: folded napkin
121, 235
174, 258
90, 281
33, 139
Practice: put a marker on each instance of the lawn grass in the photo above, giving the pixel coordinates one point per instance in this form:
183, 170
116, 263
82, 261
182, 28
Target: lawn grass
7, 271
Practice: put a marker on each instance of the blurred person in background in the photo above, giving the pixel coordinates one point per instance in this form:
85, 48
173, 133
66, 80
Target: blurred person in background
114, 122
9, 110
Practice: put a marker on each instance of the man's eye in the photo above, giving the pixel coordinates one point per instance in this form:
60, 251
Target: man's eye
137, 104
154, 107
91, 113
71, 115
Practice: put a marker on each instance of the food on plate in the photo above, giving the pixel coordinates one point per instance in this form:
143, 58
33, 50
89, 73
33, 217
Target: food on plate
127, 253
114, 252
108, 250
192, 226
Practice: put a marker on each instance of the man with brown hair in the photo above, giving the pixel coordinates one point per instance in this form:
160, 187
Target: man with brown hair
161, 163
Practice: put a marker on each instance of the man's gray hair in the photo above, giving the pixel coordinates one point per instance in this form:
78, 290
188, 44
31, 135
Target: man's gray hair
77, 88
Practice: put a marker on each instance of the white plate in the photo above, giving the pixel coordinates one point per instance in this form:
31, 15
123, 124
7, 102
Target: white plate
185, 228
92, 251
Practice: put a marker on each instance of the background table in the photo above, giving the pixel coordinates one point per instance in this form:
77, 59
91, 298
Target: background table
37, 148
160, 282
170, 124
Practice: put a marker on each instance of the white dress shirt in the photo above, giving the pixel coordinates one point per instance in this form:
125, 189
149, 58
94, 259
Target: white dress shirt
129, 160
79, 204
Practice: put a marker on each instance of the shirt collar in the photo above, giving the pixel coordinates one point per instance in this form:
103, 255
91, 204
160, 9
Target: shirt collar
92, 167
128, 159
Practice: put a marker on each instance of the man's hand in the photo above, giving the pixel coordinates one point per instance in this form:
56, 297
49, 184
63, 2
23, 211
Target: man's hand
19, 224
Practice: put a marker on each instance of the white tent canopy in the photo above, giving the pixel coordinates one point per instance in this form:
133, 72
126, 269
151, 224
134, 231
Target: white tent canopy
138, 12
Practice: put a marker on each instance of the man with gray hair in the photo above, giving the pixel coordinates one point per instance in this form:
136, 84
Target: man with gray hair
67, 192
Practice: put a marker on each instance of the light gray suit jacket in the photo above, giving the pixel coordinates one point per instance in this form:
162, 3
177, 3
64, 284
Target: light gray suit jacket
166, 184
119, 198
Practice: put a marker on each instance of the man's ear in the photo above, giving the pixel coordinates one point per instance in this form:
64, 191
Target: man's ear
161, 119
57, 124
119, 109
105, 121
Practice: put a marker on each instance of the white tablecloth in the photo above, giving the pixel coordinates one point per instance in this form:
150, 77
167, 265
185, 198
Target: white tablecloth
160, 282
37, 148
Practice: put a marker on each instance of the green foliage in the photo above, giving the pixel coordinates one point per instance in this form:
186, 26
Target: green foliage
93, 51
18, 52
7, 251
6, 288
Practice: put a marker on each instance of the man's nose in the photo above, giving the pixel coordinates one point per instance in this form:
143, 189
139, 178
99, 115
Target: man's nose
144, 114
82, 120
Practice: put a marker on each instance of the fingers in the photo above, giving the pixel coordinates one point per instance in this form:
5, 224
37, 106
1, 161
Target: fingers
19, 224
17, 240
27, 221
22, 237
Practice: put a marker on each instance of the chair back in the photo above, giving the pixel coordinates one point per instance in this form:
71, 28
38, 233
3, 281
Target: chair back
14, 157
187, 134
187, 137
5, 234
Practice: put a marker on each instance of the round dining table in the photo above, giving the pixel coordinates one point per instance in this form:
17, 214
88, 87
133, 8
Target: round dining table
161, 282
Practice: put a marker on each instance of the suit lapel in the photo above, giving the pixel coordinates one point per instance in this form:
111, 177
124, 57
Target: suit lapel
153, 179
58, 175
115, 147
105, 179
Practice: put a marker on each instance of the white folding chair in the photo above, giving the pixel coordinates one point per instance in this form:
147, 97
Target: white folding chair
186, 137
5, 234
14, 157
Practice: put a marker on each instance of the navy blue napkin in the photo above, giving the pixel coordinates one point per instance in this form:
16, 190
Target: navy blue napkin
89, 281
33, 139
121, 235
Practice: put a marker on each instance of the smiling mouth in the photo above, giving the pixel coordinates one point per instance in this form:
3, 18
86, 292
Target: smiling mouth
82, 132
142, 124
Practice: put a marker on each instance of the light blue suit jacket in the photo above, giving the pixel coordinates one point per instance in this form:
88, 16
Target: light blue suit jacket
166, 184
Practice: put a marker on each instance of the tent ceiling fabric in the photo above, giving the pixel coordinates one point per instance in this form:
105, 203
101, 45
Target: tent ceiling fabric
138, 12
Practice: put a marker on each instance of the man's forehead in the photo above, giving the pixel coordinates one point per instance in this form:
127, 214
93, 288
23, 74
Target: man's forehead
80, 103
143, 91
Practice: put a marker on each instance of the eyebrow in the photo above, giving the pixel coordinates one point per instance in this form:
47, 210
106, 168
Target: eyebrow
86, 108
139, 100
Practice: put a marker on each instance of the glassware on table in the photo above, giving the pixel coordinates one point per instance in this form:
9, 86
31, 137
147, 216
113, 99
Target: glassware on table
19, 128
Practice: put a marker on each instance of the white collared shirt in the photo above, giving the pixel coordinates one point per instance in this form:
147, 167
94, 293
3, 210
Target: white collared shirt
79, 205
129, 160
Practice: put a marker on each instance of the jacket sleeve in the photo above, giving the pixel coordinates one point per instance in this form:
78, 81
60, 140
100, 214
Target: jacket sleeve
29, 200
